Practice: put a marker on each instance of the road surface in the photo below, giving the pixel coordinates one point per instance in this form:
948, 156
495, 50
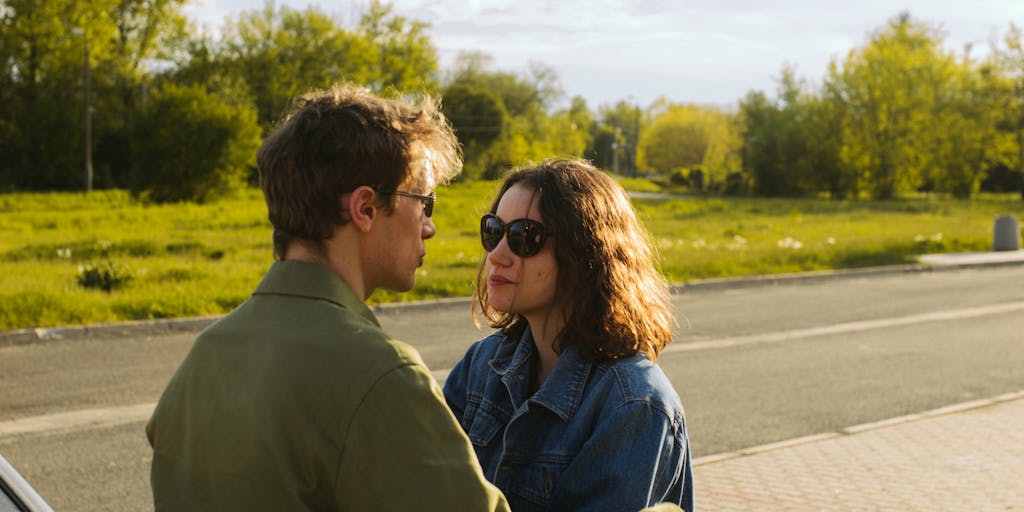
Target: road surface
753, 365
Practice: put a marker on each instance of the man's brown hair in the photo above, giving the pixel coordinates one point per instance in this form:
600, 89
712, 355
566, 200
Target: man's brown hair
333, 141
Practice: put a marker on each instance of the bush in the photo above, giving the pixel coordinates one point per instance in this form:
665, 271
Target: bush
192, 146
105, 276
679, 176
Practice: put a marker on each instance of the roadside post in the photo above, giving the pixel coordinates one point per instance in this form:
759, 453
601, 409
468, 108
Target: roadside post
1006, 234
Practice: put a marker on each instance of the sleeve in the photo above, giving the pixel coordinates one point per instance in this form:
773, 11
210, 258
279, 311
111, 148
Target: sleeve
636, 458
405, 451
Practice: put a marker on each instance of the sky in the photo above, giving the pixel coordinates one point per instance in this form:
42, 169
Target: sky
687, 51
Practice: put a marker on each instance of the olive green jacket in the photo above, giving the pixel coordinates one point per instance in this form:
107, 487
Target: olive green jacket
297, 400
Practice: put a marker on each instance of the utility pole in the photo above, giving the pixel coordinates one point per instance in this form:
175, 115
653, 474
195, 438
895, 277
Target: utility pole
615, 150
636, 139
87, 93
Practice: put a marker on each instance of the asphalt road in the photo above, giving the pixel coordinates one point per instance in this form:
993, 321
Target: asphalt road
753, 365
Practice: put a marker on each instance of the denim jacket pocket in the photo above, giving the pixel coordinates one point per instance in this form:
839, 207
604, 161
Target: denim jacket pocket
480, 424
534, 481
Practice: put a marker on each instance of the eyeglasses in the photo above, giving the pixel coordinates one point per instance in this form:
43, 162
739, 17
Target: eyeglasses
526, 237
428, 201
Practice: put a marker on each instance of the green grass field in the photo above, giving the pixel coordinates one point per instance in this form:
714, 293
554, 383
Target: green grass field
191, 260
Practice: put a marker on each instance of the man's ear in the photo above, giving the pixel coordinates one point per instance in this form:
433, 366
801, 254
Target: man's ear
362, 207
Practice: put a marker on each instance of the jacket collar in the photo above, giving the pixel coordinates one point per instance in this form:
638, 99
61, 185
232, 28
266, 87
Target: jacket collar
312, 281
561, 392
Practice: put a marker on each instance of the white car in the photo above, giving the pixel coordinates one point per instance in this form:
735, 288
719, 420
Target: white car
16, 495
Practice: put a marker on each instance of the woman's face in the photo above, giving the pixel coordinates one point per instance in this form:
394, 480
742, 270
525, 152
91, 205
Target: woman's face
516, 284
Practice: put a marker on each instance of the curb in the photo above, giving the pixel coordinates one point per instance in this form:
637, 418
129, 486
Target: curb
828, 275
195, 324
857, 429
113, 330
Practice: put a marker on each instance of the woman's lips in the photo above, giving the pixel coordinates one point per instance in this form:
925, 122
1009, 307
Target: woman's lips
498, 281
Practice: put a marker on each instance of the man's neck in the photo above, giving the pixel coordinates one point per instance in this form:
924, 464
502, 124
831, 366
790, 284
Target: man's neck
332, 255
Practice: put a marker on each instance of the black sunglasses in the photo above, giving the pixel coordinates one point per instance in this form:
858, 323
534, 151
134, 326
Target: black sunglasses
526, 237
428, 201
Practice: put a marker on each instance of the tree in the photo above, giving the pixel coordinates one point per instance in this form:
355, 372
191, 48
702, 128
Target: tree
617, 137
676, 138
41, 65
691, 137
967, 110
572, 129
478, 117
528, 131
178, 121
826, 141
761, 152
283, 53
406, 59
142, 30
1008, 67
42, 58
889, 90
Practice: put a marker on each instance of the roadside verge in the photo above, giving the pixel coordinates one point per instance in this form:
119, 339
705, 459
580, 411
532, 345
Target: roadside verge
929, 263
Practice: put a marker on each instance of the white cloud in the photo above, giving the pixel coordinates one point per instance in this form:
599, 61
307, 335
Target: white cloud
690, 50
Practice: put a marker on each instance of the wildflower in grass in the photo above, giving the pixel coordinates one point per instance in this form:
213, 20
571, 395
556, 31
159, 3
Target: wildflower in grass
738, 243
789, 243
830, 241
699, 243
668, 243
64, 253
919, 238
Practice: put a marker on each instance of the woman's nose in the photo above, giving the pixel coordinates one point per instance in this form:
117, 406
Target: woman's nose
501, 255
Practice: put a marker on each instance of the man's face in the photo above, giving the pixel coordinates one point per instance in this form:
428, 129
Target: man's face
401, 246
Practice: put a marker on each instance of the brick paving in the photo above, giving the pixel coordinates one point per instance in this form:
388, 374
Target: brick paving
960, 458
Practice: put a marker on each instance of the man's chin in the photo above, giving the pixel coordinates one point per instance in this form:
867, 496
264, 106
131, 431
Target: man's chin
403, 287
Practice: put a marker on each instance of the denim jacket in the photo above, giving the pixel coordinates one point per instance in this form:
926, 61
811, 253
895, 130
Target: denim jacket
595, 436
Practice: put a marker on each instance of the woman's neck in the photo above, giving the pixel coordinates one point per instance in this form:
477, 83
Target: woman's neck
544, 331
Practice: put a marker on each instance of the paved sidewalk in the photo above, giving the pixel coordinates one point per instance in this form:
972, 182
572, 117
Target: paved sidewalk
964, 457
973, 258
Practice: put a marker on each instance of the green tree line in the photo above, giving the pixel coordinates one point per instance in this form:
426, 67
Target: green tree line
176, 112
899, 115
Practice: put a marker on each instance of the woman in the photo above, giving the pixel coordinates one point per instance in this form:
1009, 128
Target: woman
564, 404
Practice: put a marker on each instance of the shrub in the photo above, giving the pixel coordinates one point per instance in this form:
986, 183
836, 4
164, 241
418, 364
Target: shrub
105, 276
192, 146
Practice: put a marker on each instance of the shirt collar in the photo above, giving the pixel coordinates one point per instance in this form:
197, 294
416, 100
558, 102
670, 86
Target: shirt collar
561, 392
312, 281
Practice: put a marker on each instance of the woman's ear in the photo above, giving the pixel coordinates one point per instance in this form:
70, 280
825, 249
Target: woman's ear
362, 207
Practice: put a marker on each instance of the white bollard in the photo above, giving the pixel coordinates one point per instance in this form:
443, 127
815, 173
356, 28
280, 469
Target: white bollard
1006, 234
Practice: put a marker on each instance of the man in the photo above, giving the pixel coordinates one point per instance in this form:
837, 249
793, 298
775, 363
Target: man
297, 400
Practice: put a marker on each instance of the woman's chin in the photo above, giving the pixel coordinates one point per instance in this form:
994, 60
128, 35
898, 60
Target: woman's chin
499, 305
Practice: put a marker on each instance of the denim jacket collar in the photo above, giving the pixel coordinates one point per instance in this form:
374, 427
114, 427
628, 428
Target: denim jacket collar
561, 392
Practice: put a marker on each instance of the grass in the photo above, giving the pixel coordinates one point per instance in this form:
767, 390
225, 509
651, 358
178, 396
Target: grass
190, 260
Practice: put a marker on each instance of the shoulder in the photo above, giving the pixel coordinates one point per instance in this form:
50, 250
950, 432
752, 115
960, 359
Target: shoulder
474, 370
638, 381
481, 352
308, 340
